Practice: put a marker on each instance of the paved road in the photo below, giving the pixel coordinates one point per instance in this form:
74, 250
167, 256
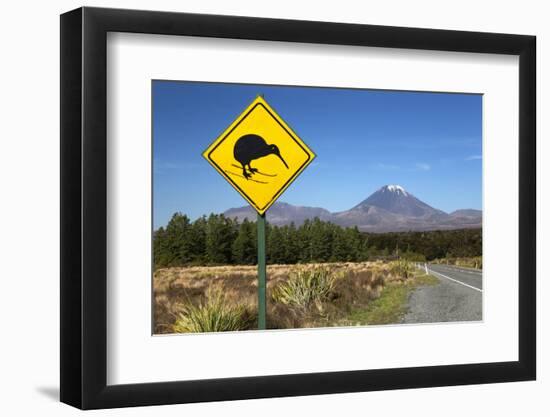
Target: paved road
457, 297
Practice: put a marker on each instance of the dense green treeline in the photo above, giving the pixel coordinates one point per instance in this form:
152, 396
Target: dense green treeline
216, 239
433, 244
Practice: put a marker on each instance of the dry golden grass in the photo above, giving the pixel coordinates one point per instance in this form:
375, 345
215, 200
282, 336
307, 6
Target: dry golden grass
175, 289
473, 262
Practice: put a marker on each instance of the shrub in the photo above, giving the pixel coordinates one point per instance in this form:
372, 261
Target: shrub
413, 257
402, 268
213, 315
472, 262
305, 287
478, 262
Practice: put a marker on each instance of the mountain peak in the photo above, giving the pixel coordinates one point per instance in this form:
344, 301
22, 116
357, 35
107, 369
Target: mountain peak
394, 188
395, 199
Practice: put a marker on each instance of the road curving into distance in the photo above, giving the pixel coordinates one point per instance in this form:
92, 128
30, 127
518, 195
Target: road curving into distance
457, 297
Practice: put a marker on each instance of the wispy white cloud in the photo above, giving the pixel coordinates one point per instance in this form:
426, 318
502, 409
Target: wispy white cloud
473, 157
383, 166
163, 166
421, 166
416, 143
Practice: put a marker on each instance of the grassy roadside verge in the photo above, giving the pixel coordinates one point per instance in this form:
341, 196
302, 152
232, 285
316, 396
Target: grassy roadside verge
224, 298
392, 303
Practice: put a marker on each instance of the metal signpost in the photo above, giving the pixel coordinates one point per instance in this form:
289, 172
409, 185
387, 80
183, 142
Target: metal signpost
262, 272
259, 136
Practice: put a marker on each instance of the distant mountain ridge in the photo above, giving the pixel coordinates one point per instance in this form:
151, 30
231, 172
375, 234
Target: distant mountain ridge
282, 213
390, 209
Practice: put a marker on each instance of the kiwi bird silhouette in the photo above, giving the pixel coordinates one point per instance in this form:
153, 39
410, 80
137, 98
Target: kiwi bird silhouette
251, 147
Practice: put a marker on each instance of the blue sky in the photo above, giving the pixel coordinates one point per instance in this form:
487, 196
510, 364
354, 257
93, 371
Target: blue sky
429, 143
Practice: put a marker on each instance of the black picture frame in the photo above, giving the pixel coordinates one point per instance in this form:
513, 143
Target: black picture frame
84, 207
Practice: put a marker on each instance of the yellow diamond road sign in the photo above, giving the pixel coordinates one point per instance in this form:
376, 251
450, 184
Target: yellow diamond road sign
259, 155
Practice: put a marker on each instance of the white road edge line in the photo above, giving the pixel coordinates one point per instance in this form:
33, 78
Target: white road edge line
455, 280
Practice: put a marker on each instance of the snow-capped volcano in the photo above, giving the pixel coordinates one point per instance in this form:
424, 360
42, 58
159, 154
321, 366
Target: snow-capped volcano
395, 199
390, 208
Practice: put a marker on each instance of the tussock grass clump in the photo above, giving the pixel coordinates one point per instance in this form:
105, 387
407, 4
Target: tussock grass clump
402, 269
305, 287
213, 315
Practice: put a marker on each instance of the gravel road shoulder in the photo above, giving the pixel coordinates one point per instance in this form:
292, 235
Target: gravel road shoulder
444, 302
